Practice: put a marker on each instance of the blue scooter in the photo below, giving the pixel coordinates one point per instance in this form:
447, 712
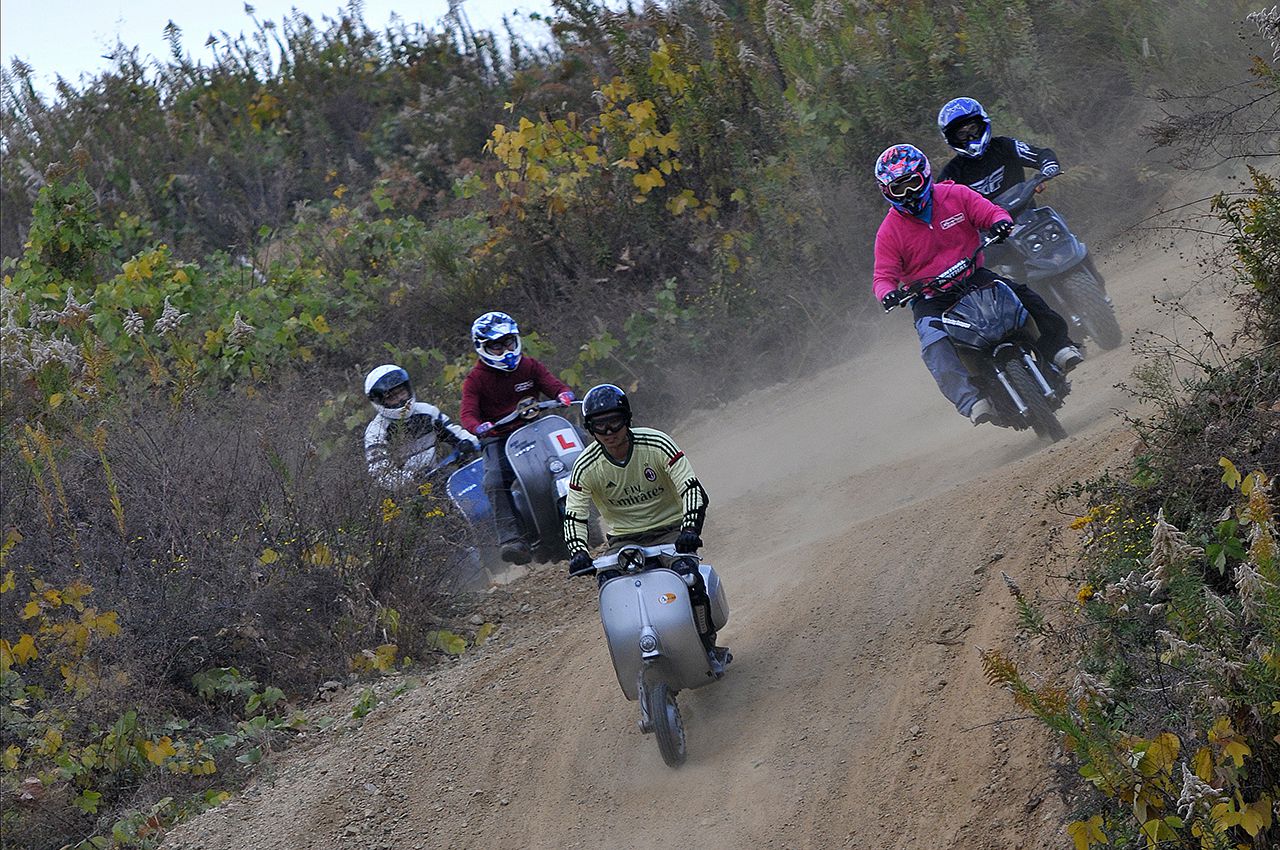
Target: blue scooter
1055, 264
995, 336
541, 454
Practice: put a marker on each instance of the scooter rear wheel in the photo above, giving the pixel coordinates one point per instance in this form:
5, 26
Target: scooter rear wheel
668, 728
1038, 415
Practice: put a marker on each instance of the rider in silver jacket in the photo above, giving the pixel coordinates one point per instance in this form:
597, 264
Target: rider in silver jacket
400, 442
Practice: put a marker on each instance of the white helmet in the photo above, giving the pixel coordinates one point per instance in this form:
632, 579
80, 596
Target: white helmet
382, 381
492, 328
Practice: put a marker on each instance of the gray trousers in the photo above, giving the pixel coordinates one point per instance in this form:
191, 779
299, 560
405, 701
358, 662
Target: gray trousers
498, 478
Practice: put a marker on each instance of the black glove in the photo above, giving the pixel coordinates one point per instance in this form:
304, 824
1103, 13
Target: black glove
1001, 229
1051, 169
688, 542
891, 299
579, 562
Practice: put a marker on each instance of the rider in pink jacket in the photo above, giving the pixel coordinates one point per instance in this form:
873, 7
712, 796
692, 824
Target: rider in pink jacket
931, 228
908, 247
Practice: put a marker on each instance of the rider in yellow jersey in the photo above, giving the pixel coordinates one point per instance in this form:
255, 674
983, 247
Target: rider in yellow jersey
645, 490
638, 478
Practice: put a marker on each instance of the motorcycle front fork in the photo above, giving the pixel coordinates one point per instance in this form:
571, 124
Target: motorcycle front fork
1034, 368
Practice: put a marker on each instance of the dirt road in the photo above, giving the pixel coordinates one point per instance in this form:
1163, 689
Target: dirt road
860, 527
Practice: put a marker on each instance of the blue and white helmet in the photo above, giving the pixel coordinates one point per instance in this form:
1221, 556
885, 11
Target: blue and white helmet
492, 330
958, 112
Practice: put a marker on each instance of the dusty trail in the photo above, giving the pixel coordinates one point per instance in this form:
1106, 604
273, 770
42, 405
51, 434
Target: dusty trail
860, 552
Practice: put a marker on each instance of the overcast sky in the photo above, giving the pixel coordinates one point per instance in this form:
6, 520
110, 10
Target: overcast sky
69, 37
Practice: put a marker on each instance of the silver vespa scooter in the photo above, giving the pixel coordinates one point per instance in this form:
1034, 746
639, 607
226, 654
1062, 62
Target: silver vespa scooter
654, 633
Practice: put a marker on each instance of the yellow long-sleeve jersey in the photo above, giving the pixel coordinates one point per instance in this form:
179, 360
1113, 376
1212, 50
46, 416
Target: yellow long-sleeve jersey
654, 487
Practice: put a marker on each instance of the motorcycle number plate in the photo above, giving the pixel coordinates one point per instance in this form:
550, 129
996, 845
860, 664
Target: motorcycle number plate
565, 441
562, 486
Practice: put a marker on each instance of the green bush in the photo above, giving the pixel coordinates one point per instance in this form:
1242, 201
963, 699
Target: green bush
1172, 718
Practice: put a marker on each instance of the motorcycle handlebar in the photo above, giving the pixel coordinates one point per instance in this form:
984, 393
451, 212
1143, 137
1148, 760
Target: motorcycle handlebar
917, 288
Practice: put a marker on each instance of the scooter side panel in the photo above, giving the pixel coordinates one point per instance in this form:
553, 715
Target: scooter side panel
534, 451
466, 489
715, 592
660, 599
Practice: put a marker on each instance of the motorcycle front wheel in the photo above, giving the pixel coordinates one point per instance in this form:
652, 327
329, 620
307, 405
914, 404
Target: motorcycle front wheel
1084, 294
668, 728
1039, 416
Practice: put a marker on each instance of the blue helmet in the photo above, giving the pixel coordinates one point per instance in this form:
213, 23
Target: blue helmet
956, 114
905, 178
496, 337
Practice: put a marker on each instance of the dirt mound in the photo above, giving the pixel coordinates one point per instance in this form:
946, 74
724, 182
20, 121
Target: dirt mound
860, 527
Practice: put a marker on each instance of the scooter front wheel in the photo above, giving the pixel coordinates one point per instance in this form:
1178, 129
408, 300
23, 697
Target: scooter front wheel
668, 728
1084, 293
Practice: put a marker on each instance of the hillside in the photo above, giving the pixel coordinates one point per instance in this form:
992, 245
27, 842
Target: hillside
861, 531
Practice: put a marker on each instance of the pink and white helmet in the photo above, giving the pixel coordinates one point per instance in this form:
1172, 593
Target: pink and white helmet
905, 178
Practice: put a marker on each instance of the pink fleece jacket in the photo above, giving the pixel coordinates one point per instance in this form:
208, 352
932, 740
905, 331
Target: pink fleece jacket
907, 249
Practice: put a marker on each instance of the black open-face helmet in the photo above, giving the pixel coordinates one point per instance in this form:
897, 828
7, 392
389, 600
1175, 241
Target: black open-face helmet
606, 409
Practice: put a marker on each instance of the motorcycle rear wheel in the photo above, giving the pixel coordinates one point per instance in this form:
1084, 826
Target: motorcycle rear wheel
668, 728
1038, 415
1084, 294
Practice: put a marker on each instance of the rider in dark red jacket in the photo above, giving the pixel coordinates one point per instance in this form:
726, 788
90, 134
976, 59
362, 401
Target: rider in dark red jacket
495, 385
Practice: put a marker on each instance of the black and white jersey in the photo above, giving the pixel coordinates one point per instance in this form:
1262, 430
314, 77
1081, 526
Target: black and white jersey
999, 168
397, 449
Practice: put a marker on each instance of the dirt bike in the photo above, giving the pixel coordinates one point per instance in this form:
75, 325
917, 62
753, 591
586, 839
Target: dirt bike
541, 454
655, 633
1054, 264
994, 335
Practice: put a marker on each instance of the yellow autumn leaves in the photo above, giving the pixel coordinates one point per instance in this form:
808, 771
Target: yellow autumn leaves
61, 626
545, 162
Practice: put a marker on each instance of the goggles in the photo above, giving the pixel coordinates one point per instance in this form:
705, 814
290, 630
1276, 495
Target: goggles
502, 344
610, 424
905, 186
397, 395
969, 131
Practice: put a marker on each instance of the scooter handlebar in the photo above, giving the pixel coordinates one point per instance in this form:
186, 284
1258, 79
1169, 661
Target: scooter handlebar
610, 561
443, 464
522, 412
1016, 198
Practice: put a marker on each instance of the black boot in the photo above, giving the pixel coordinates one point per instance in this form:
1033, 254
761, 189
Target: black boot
515, 552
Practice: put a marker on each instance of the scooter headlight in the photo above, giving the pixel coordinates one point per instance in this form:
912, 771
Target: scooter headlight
1035, 243
648, 643
556, 466
631, 559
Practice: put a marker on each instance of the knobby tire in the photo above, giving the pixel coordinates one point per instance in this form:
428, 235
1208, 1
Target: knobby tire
1038, 415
